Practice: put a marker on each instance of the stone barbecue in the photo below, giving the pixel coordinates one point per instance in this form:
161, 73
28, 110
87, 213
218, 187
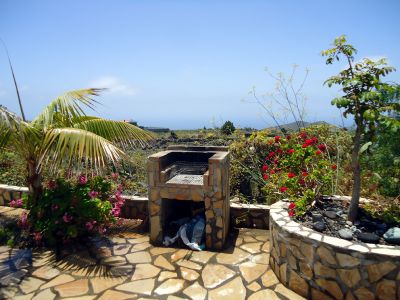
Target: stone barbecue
185, 181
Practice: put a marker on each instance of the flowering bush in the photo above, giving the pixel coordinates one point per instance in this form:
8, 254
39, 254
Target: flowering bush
69, 210
296, 158
296, 167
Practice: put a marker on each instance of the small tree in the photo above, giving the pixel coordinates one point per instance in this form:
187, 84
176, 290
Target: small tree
365, 97
228, 128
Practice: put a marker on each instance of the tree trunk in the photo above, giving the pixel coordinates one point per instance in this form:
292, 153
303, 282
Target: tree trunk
355, 163
34, 183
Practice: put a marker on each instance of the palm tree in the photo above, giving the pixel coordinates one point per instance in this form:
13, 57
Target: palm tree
62, 134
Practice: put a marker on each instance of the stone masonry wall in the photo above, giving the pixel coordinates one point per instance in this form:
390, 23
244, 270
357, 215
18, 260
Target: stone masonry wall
317, 266
10, 192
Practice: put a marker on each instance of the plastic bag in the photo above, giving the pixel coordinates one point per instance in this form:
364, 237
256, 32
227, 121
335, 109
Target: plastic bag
191, 233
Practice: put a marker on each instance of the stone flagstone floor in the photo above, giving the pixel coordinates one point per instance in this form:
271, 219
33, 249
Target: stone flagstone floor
126, 266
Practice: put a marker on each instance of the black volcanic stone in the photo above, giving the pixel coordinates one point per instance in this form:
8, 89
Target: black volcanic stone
346, 234
319, 226
316, 217
368, 237
330, 214
392, 236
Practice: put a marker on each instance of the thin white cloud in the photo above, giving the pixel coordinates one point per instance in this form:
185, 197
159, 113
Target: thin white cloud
113, 85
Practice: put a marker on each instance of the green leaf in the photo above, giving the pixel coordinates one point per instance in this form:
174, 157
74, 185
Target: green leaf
364, 147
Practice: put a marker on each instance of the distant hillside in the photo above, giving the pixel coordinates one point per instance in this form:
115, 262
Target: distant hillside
294, 125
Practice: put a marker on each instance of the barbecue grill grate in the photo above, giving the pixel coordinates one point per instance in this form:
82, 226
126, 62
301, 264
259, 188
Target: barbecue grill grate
184, 172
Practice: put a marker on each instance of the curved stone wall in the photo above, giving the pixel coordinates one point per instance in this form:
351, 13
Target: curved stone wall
318, 266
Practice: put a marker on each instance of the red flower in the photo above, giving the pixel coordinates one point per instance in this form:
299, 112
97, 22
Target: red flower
303, 135
318, 152
265, 176
277, 138
292, 205
322, 147
288, 137
272, 172
290, 151
291, 213
333, 167
276, 161
264, 168
302, 182
283, 189
291, 175
309, 141
271, 154
304, 173
279, 150
305, 145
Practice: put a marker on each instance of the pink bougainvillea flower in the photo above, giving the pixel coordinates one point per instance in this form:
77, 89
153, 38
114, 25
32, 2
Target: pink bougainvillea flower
51, 184
290, 151
283, 189
89, 226
334, 167
82, 179
67, 218
93, 194
322, 147
265, 176
16, 203
116, 211
291, 175
318, 152
23, 221
277, 138
37, 236
265, 168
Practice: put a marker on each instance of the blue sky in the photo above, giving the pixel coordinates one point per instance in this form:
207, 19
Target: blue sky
185, 64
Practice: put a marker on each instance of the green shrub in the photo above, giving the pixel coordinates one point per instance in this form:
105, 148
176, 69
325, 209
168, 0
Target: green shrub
228, 128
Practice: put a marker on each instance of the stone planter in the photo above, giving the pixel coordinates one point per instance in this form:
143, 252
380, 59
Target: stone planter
318, 266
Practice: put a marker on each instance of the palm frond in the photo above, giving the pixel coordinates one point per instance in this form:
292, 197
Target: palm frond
121, 132
68, 145
66, 107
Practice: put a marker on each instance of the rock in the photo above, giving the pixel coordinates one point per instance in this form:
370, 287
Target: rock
319, 226
213, 275
368, 237
350, 223
316, 217
346, 234
330, 214
392, 236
